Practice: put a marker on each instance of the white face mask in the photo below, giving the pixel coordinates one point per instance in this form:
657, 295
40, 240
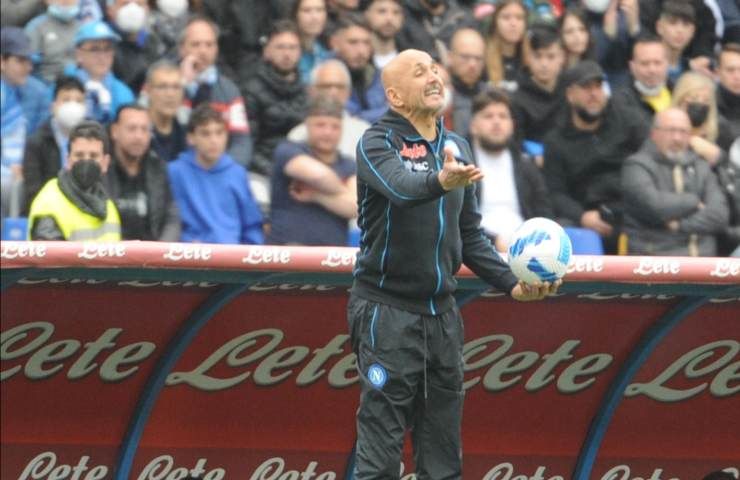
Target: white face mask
596, 6
69, 114
172, 8
131, 18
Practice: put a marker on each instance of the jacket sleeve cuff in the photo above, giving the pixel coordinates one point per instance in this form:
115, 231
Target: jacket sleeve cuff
435, 187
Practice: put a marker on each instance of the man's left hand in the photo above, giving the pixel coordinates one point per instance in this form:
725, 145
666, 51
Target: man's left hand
526, 292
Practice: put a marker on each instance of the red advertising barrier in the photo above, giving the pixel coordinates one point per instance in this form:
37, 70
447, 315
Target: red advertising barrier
258, 381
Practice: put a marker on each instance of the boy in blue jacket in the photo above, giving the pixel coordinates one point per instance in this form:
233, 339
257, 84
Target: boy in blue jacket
210, 188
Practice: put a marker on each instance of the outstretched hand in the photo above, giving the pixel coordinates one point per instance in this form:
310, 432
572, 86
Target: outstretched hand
525, 292
454, 175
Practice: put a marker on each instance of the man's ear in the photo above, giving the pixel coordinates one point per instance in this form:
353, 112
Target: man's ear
394, 99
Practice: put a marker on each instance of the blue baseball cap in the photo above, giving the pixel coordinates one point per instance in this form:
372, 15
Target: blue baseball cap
13, 41
96, 30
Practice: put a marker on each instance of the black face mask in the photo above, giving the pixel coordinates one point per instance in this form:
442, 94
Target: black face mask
86, 173
587, 116
697, 112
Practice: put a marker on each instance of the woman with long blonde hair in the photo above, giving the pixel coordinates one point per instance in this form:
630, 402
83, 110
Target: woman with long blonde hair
506, 49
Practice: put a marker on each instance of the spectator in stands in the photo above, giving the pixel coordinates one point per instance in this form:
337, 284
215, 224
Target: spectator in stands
506, 49
46, 150
512, 189
24, 104
352, 45
728, 174
17, 13
204, 82
585, 151
696, 95
466, 67
275, 94
168, 20
137, 180
728, 93
310, 18
700, 50
212, 190
52, 37
337, 9
647, 91
429, 25
139, 47
94, 53
614, 25
539, 99
673, 203
331, 79
676, 26
720, 475
33, 95
385, 18
575, 32
242, 25
75, 206
164, 93
314, 192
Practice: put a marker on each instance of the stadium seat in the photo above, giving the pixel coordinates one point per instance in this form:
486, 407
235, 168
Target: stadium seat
585, 241
15, 228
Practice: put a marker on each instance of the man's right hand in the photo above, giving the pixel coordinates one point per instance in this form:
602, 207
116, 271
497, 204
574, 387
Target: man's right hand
454, 175
592, 219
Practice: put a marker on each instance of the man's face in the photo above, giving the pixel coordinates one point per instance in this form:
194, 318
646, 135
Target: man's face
492, 127
131, 134
331, 82
200, 41
675, 32
283, 52
165, 91
729, 71
15, 70
114, 7
95, 57
87, 149
353, 47
649, 64
419, 87
324, 133
546, 63
385, 18
672, 134
209, 141
589, 96
467, 57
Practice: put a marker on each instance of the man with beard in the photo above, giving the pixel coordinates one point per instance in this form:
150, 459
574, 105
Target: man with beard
352, 44
385, 18
647, 91
275, 95
512, 189
585, 151
467, 60
137, 180
75, 206
673, 202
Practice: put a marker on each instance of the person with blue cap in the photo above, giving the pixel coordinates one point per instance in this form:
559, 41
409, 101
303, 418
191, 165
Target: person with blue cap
94, 53
24, 106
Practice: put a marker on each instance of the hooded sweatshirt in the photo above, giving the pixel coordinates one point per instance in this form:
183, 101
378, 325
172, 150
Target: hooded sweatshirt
216, 204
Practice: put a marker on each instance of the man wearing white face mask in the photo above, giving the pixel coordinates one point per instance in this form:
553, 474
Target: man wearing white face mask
52, 36
139, 46
46, 150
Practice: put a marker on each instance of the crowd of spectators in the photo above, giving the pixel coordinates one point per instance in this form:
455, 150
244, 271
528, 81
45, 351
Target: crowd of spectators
237, 121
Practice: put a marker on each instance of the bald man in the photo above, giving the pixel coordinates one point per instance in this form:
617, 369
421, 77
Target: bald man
673, 202
419, 222
466, 62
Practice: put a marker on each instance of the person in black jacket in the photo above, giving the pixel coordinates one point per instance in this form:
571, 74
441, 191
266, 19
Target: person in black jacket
419, 222
46, 150
513, 189
137, 180
585, 152
275, 96
728, 90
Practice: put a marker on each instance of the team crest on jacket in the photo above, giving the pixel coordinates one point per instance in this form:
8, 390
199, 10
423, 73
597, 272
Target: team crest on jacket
377, 375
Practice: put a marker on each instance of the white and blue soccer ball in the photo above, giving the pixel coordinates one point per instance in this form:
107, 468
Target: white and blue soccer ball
539, 251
